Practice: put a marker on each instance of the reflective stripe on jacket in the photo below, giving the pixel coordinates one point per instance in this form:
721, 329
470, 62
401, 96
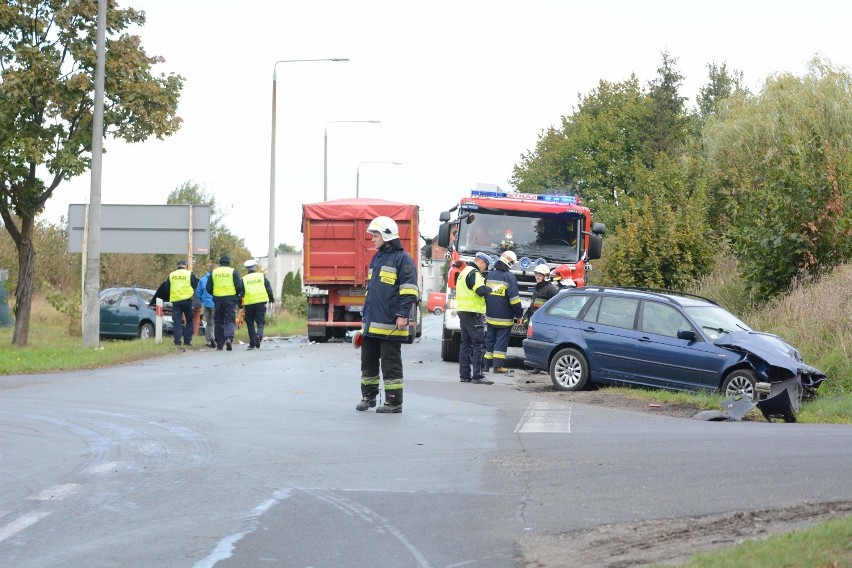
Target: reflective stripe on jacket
391, 292
503, 304
180, 285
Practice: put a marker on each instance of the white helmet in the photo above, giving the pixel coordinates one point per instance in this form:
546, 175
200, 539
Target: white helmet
509, 258
386, 227
542, 269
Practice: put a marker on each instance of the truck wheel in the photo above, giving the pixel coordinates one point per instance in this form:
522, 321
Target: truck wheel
450, 346
438, 311
320, 334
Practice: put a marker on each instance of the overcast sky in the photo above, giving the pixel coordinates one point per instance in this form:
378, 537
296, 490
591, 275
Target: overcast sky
462, 89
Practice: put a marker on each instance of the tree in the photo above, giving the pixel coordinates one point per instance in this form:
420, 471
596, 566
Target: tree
783, 162
721, 85
222, 241
47, 61
282, 247
668, 122
286, 287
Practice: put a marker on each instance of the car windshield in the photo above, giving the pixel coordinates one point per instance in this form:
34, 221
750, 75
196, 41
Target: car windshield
715, 321
554, 237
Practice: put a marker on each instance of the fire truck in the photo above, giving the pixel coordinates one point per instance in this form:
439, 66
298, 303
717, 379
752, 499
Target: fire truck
540, 229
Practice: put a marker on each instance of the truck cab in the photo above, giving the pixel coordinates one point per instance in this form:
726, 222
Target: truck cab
540, 229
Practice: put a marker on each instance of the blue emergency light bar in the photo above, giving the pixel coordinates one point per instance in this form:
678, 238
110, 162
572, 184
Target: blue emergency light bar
564, 199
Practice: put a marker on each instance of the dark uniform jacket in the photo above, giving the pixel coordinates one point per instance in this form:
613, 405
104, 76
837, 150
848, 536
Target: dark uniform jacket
544, 291
391, 292
503, 304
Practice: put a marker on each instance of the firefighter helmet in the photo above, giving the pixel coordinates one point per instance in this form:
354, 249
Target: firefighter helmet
542, 269
386, 227
562, 272
509, 258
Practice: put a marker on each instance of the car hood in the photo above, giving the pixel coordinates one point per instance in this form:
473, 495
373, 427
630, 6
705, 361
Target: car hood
771, 348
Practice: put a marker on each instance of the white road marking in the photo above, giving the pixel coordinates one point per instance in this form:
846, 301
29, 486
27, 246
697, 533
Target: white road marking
55, 493
15, 527
545, 418
226, 546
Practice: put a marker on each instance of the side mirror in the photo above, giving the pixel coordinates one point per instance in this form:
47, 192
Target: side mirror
687, 334
444, 216
599, 229
595, 247
444, 235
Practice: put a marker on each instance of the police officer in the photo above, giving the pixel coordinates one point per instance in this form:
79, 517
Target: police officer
226, 286
178, 289
470, 304
258, 291
391, 293
207, 304
502, 309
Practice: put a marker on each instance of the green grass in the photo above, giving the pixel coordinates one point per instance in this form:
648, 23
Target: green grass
51, 346
827, 544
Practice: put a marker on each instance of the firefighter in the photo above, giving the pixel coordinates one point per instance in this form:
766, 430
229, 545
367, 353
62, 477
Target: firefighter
258, 292
226, 286
544, 291
391, 293
561, 277
502, 309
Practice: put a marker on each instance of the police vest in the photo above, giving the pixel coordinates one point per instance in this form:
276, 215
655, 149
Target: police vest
180, 285
255, 289
223, 281
468, 300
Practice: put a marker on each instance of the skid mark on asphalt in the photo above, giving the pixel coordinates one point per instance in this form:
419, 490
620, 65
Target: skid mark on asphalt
545, 418
225, 548
381, 524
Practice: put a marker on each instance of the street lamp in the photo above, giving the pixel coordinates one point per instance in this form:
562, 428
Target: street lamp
358, 173
271, 258
325, 151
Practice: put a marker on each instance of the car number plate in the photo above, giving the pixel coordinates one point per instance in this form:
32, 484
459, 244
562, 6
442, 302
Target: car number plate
518, 329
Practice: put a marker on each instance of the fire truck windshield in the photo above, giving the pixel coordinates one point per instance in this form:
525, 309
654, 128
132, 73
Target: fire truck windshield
554, 238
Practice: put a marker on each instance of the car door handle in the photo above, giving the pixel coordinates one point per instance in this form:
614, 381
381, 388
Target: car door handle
590, 329
645, 338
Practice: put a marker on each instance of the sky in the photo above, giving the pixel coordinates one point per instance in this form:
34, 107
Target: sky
462, 88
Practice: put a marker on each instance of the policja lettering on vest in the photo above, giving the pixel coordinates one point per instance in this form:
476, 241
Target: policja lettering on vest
178, 289
226, 287
258, 291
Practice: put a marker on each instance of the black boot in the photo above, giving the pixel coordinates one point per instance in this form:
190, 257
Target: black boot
366, 403
393, 402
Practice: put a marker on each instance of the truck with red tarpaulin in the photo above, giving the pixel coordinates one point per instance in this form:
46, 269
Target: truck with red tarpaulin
337, 252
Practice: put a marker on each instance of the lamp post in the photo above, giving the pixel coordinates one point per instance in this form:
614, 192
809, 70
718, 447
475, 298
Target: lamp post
358, 173
270, 270
325, 151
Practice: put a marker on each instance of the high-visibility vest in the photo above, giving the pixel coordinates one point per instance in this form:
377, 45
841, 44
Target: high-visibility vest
223, 281
180, 285
255, 289
468, 300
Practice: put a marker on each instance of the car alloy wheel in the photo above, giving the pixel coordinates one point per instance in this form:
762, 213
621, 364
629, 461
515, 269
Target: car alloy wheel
740, 382
569, 370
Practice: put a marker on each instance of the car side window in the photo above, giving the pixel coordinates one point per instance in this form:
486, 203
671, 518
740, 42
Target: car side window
111, 298
128, 298
568, 306
618, 312
662, 319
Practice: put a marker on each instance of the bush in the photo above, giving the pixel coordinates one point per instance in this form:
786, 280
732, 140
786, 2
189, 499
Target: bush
295, 306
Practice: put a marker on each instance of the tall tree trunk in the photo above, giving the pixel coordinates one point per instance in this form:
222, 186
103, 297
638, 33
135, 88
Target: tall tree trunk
26, 281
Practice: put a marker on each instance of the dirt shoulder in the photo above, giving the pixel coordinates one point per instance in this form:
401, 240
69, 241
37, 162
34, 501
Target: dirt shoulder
662, 542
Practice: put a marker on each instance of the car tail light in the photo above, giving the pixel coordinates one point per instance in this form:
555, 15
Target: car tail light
529, 330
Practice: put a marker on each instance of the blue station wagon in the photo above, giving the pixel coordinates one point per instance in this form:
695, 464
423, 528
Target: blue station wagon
125, 313
656, 339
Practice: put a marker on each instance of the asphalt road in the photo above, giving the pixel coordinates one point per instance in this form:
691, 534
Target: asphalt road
245, 459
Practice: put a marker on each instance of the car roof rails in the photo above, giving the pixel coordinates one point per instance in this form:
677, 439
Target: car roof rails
666, 292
